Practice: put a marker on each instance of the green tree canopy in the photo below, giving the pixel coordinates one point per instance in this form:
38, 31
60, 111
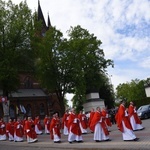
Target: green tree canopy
130, 91
71, 65
16, 55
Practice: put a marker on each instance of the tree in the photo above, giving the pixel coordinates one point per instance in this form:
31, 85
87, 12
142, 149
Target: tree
70, 65
89, 63
130, 91
53, 65
16, 55
106, 91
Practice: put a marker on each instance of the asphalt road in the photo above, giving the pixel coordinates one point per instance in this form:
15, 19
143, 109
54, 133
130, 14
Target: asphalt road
45, 143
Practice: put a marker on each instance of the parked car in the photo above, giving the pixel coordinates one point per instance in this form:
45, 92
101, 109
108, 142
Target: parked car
144, 111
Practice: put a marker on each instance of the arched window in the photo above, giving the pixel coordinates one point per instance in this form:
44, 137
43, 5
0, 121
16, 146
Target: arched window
42, 109
28, 109
12, 111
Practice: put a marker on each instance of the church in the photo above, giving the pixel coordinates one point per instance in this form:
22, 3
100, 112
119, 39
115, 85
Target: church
30, 99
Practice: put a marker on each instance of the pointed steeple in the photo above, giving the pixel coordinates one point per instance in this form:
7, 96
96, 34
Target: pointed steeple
40, 15
48, 22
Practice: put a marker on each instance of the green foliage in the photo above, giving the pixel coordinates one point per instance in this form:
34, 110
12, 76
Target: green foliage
89, 62
71, 65
140, 102
131, 91
106, 91
16, 55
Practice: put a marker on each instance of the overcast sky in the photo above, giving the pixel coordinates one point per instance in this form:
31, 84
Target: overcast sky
123, 26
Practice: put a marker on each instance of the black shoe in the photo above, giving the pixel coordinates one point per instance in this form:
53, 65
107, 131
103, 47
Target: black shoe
129, 140
136, 139
70, 142
80, 141
57, 141
97, 140
142, 128
108, 140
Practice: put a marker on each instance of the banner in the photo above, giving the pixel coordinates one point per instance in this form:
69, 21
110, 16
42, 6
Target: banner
5, 107
22, 109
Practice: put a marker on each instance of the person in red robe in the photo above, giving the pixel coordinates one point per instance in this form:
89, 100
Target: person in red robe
106, 118
23, 122
124, 125
18, 131
55, 127
99, 127
65, 123
134, 119
14, 120
75, 133
91, 117
38, 127
10, 130
30, 131
2, 130
83, 122
46, 124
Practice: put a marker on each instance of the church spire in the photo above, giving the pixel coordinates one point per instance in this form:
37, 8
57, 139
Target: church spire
48, 22
40, 15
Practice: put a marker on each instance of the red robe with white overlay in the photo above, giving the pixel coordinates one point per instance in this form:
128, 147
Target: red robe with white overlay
30, 130
121, 116
55, 127
73, 124
96, 118
10, 129
106, 118
132, 112
83, 120
18, 129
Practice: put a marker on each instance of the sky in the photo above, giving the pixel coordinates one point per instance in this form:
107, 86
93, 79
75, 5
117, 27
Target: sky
123, 26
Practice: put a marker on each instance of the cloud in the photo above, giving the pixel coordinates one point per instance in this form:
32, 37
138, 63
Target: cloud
145, 63
123, 26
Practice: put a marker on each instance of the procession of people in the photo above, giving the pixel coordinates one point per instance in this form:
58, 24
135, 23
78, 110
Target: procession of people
74, 125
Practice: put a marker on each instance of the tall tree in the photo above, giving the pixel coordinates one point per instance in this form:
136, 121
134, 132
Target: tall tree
16, 54
106, 91
89, 63
53, 65
70, 65
130, 91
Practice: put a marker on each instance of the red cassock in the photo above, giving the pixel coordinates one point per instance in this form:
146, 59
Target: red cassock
90, 119
30, 130
37, 122
134, 114
83, 120
73, 124
120, 116
96, 118
106, 119
18, 129
2, 128
55, 127
24, 130
45, 120
10, 128
65, 120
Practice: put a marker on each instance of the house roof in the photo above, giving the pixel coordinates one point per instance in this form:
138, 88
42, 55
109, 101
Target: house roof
29, 93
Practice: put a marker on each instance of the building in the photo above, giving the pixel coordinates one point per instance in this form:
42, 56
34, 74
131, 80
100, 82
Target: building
147, 89
30, 99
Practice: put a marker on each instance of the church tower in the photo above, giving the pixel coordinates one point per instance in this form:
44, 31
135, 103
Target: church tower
45, 26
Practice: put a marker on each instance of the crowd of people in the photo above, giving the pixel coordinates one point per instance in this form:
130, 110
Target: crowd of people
74, 125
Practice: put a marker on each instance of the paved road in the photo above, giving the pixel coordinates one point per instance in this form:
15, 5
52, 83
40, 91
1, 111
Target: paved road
45, 143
